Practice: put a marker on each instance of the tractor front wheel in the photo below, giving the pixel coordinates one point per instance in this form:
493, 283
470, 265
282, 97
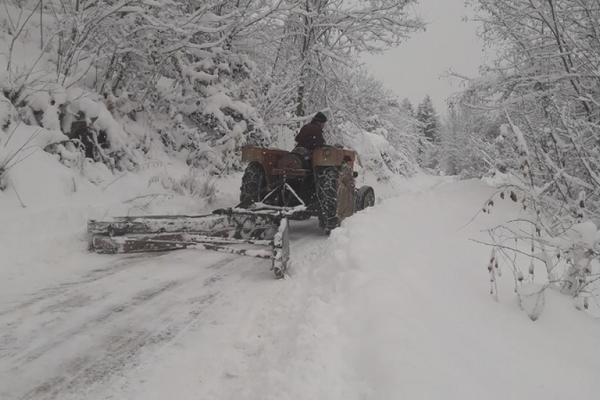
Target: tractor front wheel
365, 197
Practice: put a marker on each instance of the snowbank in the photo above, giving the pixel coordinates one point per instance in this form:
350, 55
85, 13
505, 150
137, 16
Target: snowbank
45, 205
408, 313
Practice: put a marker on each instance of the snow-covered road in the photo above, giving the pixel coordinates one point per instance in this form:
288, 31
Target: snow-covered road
394, 304
143, 326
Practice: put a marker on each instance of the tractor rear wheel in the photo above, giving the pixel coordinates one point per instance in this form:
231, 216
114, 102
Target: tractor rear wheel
254, 185
326, 185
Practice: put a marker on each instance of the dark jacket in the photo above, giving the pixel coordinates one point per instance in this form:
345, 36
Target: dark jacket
310, 136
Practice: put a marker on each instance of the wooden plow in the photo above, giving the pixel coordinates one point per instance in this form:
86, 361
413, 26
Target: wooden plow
259, 231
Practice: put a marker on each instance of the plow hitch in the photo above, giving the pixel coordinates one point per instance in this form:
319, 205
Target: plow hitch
260, 231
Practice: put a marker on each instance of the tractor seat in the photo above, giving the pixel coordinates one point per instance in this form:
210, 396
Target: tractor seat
301, 151
291, 161
305, 155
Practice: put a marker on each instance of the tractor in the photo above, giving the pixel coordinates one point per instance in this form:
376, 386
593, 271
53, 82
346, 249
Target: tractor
323, 181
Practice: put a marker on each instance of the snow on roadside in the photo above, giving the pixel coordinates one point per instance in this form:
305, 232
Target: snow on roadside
45, 206
427, 327
396, 305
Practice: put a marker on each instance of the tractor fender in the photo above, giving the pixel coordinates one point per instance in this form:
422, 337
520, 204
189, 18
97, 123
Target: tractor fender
329, 156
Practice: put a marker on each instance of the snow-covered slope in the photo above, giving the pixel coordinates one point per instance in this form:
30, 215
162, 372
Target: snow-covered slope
394, 304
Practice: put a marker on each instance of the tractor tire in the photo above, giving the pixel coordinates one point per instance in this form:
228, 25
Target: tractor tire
365, 197
254, 185
326, 185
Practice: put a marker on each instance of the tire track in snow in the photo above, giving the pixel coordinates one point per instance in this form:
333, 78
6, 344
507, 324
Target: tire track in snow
73, 295
275, 325
96, 357
104, 317
121, 352
132, 327
91, 276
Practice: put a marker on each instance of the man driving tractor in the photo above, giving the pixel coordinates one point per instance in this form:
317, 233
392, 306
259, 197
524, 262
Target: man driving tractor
311, 135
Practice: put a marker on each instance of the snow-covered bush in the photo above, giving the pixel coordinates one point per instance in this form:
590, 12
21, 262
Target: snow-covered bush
543, 87
376, 154
44, 78
472, 144
83, 117
211, 119
197, 185
543, 253
371, 120
7, 113
194, 183
20, 142
165, 63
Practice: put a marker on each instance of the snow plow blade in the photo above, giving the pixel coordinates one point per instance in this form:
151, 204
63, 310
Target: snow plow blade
261, 232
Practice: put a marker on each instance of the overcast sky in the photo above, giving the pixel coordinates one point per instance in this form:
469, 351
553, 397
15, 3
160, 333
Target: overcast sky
417, 67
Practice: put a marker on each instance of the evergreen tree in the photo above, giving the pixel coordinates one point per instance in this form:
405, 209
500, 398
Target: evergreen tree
428, 119
407, 107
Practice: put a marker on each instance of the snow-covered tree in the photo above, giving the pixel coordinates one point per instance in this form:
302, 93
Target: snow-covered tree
204, 77
544, 83
470, 144
429, 120
175, 65
320, 37
407, 107
429, 134
363, 102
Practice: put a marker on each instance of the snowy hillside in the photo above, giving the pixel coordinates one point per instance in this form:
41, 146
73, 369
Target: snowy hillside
126, 83
394, 304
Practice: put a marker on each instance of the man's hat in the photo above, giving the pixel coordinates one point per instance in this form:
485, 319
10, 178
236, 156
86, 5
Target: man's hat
319, 117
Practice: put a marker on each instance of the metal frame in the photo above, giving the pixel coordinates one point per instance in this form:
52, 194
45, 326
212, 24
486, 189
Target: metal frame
221, 231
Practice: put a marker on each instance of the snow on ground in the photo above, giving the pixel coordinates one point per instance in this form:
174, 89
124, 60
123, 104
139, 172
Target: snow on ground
46, 205
394, 304
422, 324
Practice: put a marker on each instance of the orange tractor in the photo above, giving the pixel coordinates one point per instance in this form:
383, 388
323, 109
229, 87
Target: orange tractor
277, 186
320, 184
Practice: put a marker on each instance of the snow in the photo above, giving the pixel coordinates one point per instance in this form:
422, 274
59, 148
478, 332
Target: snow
7, 111
50, 119
219, 101
97, 112
394, 304
585, 233
24, 141
518, 134
39, 101
200, 76
423, 326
